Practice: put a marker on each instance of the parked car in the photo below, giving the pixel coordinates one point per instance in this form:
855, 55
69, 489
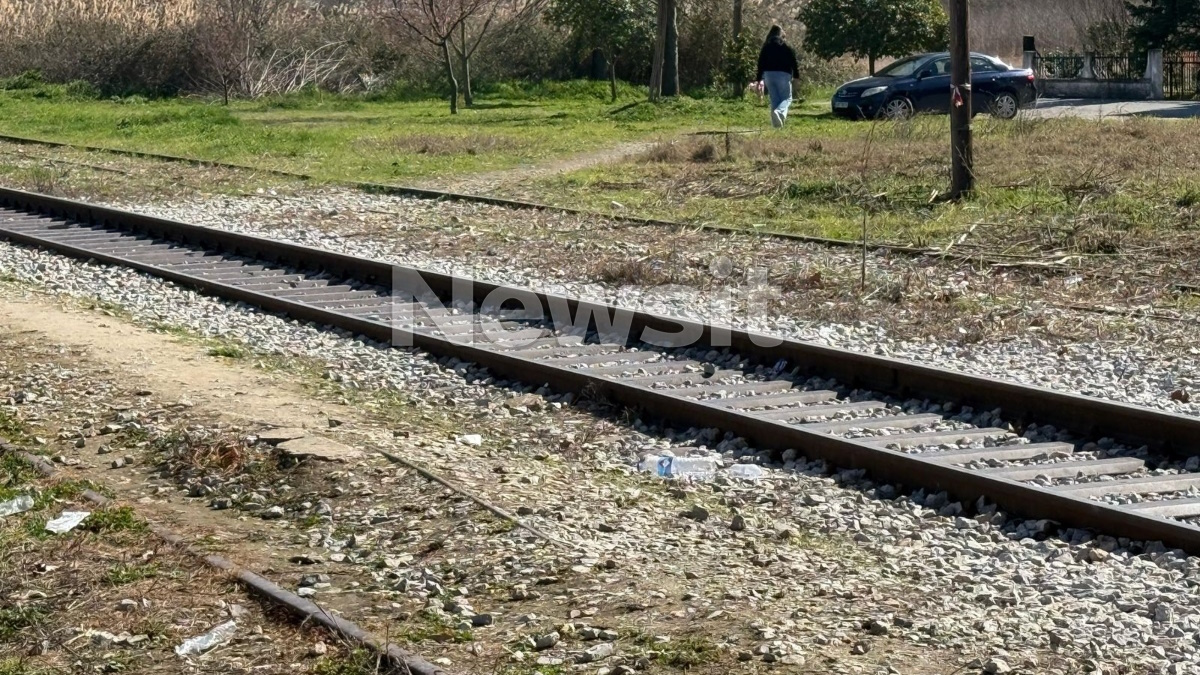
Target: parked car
921, 84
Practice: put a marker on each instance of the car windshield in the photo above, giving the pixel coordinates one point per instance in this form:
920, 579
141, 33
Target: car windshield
902, 68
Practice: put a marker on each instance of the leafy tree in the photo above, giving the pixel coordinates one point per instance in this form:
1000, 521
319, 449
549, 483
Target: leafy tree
1165, 24
872, 29
612, 26
739, 57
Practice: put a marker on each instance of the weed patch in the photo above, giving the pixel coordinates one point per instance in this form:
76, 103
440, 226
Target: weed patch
15, 619
126, 573
118, 519
354, 662
228, 351
12, 429
426, 627
687, 652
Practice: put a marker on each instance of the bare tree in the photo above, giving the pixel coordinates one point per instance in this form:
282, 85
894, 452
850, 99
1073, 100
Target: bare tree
436, 22
232, 33
473, 30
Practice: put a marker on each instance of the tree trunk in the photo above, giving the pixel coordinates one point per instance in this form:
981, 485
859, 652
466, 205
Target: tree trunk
739, 84
468, 96
464, 60
599, 65
450, 74
871, 64
612, 77
660, 41
671, 51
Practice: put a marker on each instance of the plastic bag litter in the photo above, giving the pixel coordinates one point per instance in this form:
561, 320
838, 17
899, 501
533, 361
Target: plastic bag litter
206, 641
16, 505
67, 521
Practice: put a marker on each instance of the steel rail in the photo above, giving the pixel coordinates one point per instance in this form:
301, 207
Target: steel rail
446, 195
1168, 433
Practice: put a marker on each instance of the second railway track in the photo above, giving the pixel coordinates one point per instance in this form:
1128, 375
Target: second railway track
1042, 454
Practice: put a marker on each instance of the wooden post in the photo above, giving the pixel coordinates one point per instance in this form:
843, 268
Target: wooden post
962, 170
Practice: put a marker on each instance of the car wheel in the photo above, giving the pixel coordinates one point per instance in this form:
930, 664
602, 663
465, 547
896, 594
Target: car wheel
898, 108
1005, 105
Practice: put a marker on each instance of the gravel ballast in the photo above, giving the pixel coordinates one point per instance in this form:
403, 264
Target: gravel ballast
965, 583
1141, 370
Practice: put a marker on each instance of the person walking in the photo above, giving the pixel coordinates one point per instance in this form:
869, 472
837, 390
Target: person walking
777, 65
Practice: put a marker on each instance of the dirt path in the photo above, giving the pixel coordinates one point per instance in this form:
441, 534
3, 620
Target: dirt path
497, 181
172, 370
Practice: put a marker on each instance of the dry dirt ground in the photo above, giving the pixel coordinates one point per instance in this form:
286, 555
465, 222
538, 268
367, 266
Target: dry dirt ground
398, 554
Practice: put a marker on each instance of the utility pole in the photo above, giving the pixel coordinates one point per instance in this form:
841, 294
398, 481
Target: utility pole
962, 169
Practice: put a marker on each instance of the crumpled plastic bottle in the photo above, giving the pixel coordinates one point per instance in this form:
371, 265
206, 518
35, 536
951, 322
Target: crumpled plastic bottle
206, 641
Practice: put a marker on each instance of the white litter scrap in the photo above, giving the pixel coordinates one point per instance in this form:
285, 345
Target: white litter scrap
68, 521
206, 641
16, 505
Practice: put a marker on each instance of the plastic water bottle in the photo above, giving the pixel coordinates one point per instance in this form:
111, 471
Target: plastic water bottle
689, 468
746, 471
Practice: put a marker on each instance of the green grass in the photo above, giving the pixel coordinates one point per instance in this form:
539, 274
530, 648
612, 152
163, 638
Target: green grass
10, 666
354, 662
11, 428
15, 474
228, 351
127, 573
118, 519
428, 627
1072, 185
352, 138
15, 619
687, 652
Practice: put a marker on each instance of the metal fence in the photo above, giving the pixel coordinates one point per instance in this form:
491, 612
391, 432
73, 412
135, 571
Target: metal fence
1104, 66
1119, 67
1181, 75
1058, 66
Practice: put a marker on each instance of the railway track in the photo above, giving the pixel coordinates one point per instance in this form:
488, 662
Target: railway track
504, 202
1078, 461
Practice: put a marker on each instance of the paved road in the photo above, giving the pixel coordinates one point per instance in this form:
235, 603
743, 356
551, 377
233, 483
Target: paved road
1092, 109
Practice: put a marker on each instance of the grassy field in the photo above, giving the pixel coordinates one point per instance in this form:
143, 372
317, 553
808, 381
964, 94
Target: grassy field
1080, 185
1070, 186
343, 138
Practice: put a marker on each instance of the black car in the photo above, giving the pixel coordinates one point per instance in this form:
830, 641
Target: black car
921, 84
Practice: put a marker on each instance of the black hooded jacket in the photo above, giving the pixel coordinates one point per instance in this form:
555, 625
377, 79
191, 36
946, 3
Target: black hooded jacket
779, 56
